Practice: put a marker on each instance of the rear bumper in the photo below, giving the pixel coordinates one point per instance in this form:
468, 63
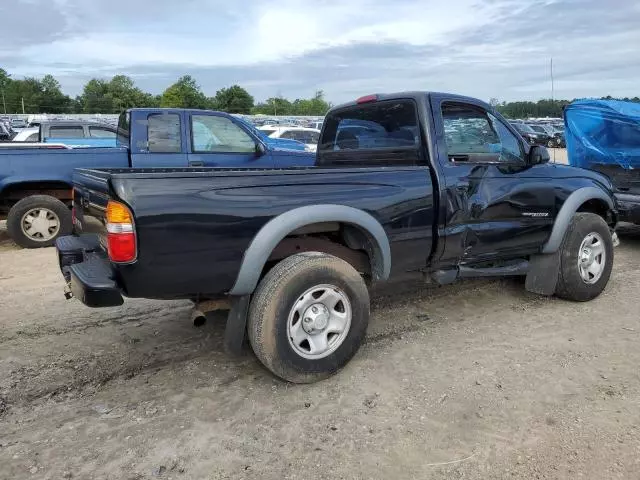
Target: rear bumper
628, 207
87, 271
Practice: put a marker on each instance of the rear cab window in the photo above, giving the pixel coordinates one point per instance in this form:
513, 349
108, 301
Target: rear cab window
384, 132
66, 131
164, 133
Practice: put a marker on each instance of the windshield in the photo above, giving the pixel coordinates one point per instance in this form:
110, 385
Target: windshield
538, 129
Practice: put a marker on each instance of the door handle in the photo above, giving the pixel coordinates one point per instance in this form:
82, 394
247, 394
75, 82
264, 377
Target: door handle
196, 163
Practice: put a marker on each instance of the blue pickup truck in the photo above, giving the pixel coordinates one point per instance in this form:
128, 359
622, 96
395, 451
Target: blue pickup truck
35, 180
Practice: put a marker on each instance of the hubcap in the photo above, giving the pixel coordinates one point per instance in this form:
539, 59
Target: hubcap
592, 258
319, 321
40, 224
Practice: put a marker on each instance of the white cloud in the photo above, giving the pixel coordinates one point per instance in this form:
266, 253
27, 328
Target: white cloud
487, 48
271, 31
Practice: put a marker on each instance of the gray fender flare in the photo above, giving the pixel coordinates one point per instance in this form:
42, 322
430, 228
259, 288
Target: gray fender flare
568, 210
279, 227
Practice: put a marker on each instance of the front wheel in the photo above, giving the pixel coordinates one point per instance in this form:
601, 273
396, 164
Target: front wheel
37, 221
586, 258
308, 317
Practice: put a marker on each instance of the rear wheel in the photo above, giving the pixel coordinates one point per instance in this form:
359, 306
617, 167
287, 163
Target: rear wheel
38, 220
308, 317
586, 258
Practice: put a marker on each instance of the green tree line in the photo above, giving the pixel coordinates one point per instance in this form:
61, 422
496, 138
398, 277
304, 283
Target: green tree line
541, 108
44, 95
34, 95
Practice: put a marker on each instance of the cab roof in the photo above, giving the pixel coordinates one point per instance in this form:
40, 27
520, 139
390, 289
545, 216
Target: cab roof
418, 96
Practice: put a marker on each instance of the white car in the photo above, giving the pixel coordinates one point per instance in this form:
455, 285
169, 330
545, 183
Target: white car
308, 136
27, 135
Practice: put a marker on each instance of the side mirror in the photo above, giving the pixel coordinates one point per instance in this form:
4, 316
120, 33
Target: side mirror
538, 155
260, 149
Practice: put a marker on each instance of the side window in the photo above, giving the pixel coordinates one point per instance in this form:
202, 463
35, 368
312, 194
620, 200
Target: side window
211, 133
66, 132
101, 132
473, 135
163, 133
381, 132
33, 137
511, 149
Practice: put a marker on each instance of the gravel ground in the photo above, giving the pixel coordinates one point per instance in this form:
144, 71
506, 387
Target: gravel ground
478, 380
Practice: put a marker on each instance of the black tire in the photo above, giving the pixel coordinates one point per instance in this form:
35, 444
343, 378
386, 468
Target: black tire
275, 297
14, 220
551, 143
570, 285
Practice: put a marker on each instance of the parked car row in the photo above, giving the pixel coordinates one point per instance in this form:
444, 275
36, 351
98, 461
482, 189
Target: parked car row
308, 136
539, 133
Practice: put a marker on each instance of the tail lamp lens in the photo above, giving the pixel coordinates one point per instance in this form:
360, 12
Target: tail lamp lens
121, 236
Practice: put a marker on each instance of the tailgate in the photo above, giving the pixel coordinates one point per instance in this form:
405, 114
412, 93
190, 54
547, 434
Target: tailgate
90, 197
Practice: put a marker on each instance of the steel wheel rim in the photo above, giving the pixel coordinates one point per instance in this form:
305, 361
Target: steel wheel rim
592, 258
319, 321
40, 224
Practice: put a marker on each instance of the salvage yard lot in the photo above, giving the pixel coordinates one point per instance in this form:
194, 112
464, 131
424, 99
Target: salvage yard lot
476, 380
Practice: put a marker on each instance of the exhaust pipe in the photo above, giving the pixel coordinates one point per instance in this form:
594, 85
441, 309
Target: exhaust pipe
198, 318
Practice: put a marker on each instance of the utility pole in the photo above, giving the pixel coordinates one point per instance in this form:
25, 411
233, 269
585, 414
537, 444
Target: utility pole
23, 105
552, 85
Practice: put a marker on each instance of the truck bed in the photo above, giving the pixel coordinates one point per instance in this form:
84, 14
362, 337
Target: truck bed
42, 164
213, 214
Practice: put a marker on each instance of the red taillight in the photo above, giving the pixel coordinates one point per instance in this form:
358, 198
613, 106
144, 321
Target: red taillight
122, 247
121, 236
367, 99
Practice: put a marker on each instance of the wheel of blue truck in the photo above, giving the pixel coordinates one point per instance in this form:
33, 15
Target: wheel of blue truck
37, 221
308, 317
586, 258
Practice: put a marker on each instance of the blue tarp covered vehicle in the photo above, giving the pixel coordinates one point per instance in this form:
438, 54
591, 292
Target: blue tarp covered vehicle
604, 135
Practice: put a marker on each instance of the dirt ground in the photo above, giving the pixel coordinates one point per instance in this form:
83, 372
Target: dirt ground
479, 380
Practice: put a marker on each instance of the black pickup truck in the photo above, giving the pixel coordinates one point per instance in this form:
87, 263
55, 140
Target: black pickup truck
436, 184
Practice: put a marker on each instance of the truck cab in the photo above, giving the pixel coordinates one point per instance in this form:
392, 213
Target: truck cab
200, 138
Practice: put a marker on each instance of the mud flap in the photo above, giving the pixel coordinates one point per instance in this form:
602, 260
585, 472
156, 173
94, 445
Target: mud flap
542, 277
234, 332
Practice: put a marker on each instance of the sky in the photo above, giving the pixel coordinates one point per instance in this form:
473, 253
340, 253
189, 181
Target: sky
483, 48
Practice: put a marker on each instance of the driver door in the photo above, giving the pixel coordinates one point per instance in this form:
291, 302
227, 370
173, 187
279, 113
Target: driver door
217, 141
503, 205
